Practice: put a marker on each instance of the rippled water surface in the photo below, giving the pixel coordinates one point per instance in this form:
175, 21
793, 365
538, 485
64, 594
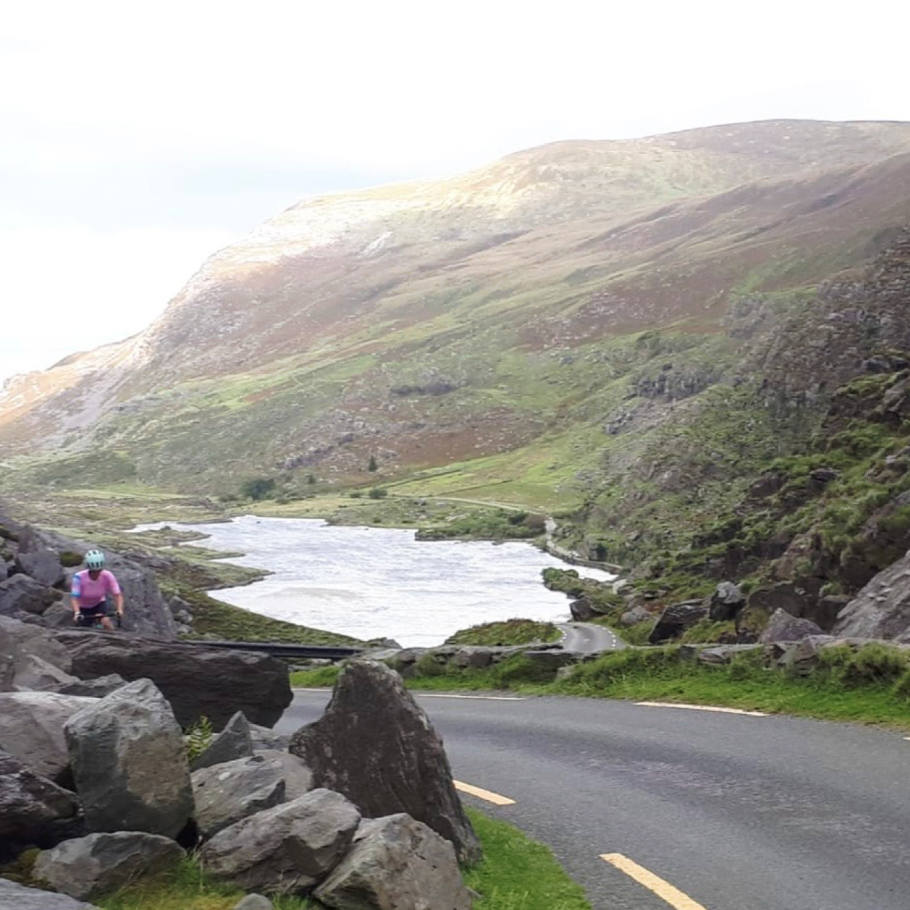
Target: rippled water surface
381, 582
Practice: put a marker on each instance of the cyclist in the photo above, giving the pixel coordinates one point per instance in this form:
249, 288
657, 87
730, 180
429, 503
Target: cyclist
89, 592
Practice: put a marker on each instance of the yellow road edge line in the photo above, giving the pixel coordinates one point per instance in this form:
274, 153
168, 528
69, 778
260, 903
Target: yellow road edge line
480, 793
673, 704
654, 883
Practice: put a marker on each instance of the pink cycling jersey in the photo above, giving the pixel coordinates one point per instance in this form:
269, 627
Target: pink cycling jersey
90, 592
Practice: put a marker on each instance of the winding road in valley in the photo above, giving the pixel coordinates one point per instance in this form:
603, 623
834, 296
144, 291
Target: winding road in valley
651, 807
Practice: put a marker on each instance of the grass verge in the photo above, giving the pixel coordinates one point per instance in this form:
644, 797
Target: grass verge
509, 632
869, 686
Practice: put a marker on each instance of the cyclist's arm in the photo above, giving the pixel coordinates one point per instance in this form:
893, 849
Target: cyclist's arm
118, 601
75, 593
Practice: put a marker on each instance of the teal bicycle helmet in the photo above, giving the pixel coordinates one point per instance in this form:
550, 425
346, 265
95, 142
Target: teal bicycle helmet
94, 559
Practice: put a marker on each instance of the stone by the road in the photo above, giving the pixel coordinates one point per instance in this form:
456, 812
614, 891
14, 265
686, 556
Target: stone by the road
31, 729
197, 681
29, 803
882, 608
396, 863
18, 897
376, 745
233, 742
784, 627
88, 867
230, 791
254, 902
284, 850
129, 763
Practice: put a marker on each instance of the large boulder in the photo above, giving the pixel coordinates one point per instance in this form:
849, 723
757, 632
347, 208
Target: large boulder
42, 564
298, 778
376, 745
396, 863
22, 594
129, 763
197, 681
285, 850
882, 608
92, 688
675, 619
30, 805
31, 729
35, 673
726, 601
18, 897
233, 742
226, 793
784, 627
90, 866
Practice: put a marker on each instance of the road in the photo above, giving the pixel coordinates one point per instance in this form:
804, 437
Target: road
587, 637
733, 811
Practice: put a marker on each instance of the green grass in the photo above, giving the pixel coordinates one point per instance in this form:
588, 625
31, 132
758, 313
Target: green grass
509, 632
186, 887
518, 873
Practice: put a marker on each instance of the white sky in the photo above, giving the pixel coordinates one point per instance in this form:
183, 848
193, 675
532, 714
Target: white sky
139, 138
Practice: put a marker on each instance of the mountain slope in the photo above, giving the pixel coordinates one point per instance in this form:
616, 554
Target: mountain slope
462, 319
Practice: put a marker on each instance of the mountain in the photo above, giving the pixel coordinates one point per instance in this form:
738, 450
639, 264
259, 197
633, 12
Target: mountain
622, 332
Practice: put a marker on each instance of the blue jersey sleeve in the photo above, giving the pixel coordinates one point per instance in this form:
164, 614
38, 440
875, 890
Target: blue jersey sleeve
76, 589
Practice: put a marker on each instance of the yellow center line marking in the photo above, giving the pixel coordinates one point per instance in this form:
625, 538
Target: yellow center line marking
488, 795
654, 883
673, 704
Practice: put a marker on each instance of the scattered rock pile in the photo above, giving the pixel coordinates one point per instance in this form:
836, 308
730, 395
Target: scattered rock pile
361, 812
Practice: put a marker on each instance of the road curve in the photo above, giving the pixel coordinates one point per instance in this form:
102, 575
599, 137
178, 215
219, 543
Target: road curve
736, 812
588, 638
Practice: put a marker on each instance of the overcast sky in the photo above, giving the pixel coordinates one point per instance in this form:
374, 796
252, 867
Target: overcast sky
139, 138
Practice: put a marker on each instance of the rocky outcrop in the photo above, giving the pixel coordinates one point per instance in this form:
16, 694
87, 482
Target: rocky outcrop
22, 594
882, 608
396, 863
31, 806
129, 763
196, 680
31, 729
20, 643
675, 619
285, 850
226, 793
726, 602
87, 867
18, 897
784, 627
233, 742
376, 745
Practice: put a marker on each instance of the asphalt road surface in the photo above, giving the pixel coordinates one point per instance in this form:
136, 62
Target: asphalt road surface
587, 637
656, 807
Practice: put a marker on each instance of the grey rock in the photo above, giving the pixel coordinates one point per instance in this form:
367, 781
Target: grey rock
254, 902
196, 680
726, 601
784, 627
20, 642
633, 617
58, 616
376, 745
31, 729
233, 742
298, 778
284, 850
264, 738
581, 610
553, 660
675, 619
35, 673
801, 657
129, 763
882, 607
22, 594
93, 688
396, 863
30, 804
18, 897
723, 654
43, 565
228, 792
90, 866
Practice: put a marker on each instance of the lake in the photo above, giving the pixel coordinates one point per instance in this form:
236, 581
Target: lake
381, 582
